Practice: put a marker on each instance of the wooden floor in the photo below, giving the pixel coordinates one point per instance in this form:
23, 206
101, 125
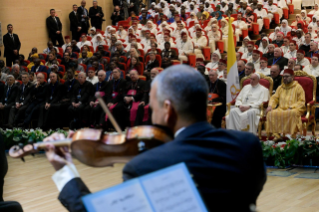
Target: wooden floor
30, 184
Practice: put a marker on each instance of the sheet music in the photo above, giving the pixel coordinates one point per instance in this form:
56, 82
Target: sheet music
127, 198
172, 192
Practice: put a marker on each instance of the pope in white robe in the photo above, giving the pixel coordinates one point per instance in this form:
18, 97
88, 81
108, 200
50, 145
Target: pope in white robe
246, 114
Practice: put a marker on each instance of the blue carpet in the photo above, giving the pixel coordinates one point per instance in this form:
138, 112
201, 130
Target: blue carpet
281, 173
308, 175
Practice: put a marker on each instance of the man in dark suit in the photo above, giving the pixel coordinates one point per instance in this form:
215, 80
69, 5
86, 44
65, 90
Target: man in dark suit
83, 18
52, 103
12, 46
152, 63
117, 15
80, 99
37, 98
226, 165
75, 26
276, 77
21, 102
54, 26
37, 67
217, 86
278, 59
8, 98
96, 14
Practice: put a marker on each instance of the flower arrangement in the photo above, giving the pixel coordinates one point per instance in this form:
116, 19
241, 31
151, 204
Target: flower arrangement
17, 135
301, 151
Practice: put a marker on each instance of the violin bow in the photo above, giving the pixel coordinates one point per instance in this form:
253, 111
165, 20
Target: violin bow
107, 111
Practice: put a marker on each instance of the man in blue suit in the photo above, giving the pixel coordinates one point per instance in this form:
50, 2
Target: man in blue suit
38, 68
227, 166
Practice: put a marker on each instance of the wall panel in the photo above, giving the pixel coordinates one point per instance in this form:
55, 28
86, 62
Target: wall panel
28, 19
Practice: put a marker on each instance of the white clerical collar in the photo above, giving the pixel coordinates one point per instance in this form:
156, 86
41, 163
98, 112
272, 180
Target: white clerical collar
178, 131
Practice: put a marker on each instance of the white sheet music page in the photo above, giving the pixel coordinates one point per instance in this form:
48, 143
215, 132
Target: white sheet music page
127, 197
172, 191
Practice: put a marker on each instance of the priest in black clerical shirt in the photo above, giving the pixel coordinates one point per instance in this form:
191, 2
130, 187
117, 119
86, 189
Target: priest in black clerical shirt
218, 87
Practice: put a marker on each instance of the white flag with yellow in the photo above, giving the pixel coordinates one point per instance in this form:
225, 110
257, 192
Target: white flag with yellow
233, 87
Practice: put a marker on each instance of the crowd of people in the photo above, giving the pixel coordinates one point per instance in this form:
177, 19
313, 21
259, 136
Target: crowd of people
123, 60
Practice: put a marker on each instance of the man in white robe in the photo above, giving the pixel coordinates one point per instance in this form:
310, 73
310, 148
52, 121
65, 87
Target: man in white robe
185, 47
167, 38
255, 59
261, 14
313, 68
121, 33
213, 65
250, 47
301, 60
285, 45
271, 9
292, 52
222, 66
199, 41
263, 67
245, 116
83, 41
239, 24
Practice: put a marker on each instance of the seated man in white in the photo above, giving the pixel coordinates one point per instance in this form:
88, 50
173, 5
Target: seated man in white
255, 59
263, 67
214, 63
301, 60
199, 41
313, 68
271, 9
261, 14
239, 25
83, 41
185, 47
292, 52
250, 47
245, 116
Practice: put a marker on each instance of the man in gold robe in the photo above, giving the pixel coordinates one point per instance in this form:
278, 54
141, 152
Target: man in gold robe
286, 107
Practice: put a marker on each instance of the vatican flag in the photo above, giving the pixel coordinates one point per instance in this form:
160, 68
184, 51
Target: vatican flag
233, 87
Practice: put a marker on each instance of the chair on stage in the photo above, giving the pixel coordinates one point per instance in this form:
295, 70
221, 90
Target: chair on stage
265, 81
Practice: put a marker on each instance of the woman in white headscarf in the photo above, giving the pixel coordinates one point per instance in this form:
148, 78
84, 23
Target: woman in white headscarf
284, 28
264, 45
213, 65
224, 27
210, 23
98, 41
213, 36
312, 32
298, 18
107, 32
243, 49
315, 11
304, 16
130, 31
192, 18
273, 35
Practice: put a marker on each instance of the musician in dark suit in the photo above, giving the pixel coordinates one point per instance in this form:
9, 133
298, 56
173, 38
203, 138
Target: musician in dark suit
48, 112
83, 18
12, 46
79, 100
54, 26
96, 15
75, 26
227, 166
8, 98
21, 102
217, 86
37, 98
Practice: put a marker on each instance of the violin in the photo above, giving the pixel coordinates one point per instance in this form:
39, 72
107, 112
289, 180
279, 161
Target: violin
94, 148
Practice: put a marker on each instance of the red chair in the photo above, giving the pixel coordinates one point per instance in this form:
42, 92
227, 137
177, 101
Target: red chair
83, 65
266, 23
25, 69
61, 55
276, 18
59, 60
43, 61
191, 59
255, 28
234, 16
27, 61
285, 13
108, 59
60, 50
124, 58
63, 67
106, 48
62, 81
206, 53
44, 55
176, 62
124, 65
291, 8
123, 23
77, 54
174, 48
141, 69
141, 52
19, 82
124, 74
191, 24
220, 46
91, 48
244, 33
142, 77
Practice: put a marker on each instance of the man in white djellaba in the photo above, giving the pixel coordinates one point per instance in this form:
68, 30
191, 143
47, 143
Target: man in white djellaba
246, 113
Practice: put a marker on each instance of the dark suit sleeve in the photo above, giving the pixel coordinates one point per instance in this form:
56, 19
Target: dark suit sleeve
221, 91
71, 194
13, 95
6, 43
85, 96
129, 172
140, 92
17, 40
